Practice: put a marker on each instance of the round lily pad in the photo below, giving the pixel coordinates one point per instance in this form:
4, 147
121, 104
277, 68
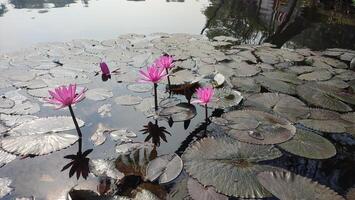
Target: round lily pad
179, 112
309, 145
279, 183
6, 103
274, 85
128, 100
315, 94
6, 158
281, 104
225, 98
100, 167
165, 168
5, 188
199, 192
45, 125
139, 87
98, 94
258, 127
321, 75
229, 166
38, 143
329, 126
283, 76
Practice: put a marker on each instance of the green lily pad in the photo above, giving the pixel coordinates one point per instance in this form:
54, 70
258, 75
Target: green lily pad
229, 166
309, 145
165, 168
258, 127
5, 158
179, 112
274, 85
128, 100
316, 95
5, 188
281, 104
283, 76
45, 125
279, 184
98, 94
139, 87
199, 192
225, 98
38, 143
321, 75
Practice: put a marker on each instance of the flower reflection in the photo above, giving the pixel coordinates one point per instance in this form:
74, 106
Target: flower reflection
79, 162
155, 133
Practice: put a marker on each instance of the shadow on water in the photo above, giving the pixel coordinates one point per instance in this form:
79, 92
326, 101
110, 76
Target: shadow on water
293, 23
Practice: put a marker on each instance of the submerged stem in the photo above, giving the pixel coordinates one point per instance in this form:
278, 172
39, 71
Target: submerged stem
75, 122
155, 96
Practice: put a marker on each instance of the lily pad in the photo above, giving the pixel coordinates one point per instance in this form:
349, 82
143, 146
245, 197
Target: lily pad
22, 105
274, 85
283, 76
45, 125
225, 98
309, 145
99, 137
315, 94
128, 147
179, 112
321, 75
5, 158
281, 104
37, 143
258, 127
199, 192
122, 135
128, 100
329, 126
139, 87
15, 120
165, 168
279, 184
98, 94
101, 167
229, 166
105, 110
243, 69
5, 188
245, 84
6, 103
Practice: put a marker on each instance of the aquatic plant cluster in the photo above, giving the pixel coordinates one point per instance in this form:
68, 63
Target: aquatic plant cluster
269, 107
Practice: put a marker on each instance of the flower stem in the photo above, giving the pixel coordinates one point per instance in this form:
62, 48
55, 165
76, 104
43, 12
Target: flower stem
156, 96
206, 116
166, 69
75, 122
80, 145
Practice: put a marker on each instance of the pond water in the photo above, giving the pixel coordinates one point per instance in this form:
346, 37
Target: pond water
293, 23
289, 109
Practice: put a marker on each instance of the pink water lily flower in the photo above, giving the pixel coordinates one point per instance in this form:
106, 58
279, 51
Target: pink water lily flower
104, 69
65, 96
165, 62
153, 74
204, 95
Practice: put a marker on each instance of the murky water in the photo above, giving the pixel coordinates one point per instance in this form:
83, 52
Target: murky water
291, 23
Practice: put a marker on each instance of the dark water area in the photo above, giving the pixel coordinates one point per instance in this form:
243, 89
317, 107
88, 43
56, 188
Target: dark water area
294, 23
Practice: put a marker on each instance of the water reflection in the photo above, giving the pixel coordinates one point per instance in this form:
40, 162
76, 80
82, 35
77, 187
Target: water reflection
79, 163
38, 4
295, 22
155, 133
2, 9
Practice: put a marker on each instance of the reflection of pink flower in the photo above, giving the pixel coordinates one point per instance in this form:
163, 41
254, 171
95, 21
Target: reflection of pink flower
154, 74
204, 95
165, 62
65, 96
104, 69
